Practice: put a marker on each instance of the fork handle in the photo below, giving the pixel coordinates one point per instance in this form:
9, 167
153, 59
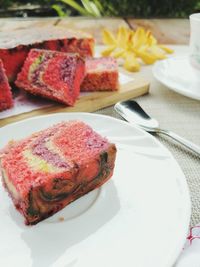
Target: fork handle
181, 140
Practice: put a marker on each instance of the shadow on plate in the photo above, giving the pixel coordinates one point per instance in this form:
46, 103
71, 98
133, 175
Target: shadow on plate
50, 239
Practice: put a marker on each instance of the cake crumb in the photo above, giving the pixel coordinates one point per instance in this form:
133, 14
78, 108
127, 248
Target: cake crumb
61, 219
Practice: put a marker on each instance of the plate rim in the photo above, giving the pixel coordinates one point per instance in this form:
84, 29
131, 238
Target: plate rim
155, 71
172, 258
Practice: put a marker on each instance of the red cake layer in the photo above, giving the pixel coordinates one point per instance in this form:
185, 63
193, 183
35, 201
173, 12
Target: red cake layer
6, 100
15, 45
101, 75
53, 75
46, 171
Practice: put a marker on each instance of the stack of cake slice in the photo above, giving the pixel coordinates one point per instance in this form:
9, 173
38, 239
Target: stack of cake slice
54, 63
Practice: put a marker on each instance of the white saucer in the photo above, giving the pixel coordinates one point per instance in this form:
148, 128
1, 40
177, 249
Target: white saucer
178, 75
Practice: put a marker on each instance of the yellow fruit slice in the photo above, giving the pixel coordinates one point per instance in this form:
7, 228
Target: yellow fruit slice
108, 38
108, 50
139, 38
119, 52
131, 63
156, 52
122, 37
166, 49
131, 45
146, 57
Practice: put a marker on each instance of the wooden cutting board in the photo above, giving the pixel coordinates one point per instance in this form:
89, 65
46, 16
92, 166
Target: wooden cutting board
89, 102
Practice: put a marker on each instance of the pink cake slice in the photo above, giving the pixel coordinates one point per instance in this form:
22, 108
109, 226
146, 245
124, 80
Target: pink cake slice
53, 75
101, 75
6, 100
46, 171
15, 45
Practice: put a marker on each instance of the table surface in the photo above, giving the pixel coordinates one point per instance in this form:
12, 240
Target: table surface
175, 112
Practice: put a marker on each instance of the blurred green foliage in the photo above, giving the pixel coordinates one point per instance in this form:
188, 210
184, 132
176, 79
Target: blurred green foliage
6, 3
150, 8
134, 8
85, 8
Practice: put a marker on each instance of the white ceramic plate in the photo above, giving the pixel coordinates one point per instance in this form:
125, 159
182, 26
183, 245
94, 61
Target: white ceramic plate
138, 218
177, 74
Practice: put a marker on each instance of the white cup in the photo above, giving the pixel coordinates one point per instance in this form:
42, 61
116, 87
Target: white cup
195, 41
